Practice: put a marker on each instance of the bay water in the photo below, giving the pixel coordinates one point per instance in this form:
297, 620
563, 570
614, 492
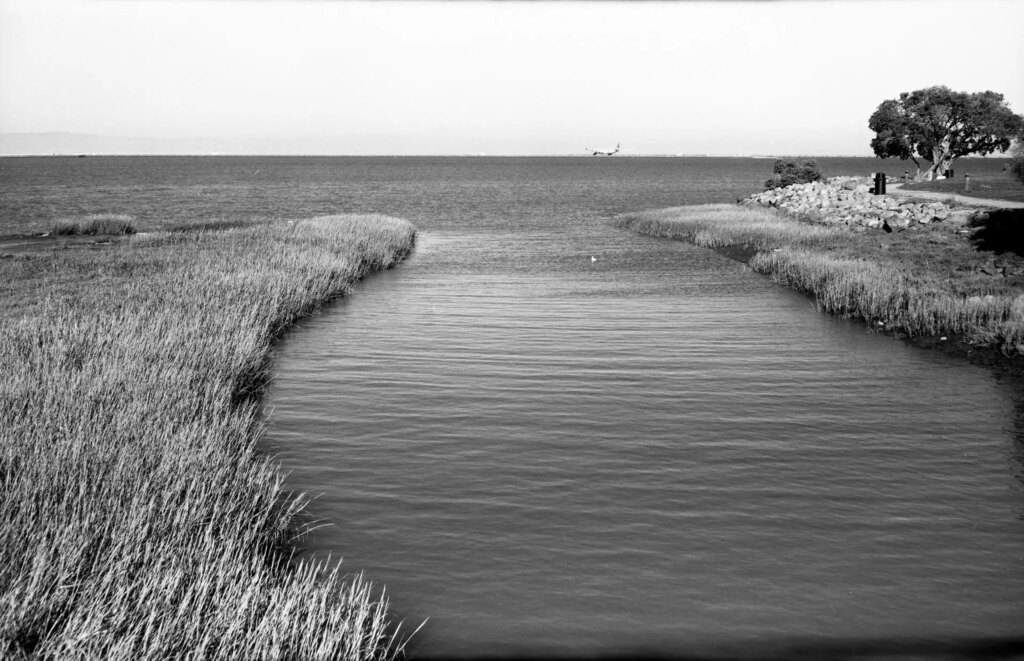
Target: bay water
551, 436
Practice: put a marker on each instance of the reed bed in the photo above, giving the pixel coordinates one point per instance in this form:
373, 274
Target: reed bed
719, 225
918, 284
893, 298
138, 518
97, 223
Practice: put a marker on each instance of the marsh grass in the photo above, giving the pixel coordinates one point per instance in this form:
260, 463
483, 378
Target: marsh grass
138, 519
719, 225
99, 223
917, 283
211, 225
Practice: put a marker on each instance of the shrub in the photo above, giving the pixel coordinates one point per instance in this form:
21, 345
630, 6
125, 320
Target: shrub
788, 171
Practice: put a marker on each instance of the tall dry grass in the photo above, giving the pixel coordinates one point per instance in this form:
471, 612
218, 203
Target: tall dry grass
927, 287
138, 519
901, 301
97, 223
718, 225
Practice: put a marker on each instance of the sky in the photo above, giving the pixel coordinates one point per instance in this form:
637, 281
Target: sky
390, 77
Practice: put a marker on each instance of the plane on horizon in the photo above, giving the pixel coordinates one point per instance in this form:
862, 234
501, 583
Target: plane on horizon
605, 152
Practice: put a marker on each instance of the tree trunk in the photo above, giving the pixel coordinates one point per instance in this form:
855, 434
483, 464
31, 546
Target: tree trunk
945, 165
917, 164
941, 158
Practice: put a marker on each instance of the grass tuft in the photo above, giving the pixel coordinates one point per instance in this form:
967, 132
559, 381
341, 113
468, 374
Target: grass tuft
213, 225
720, 225
99, 223
138, 518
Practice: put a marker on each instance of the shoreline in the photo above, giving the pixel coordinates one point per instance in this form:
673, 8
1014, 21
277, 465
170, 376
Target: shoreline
922, 284
133, 379
952, 345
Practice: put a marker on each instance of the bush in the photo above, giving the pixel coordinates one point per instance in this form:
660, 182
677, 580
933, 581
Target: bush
787, 172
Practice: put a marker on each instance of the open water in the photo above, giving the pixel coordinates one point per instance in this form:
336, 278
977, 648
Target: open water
553, 437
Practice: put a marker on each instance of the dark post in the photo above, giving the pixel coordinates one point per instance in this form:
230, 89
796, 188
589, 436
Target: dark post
967, 183
949, 173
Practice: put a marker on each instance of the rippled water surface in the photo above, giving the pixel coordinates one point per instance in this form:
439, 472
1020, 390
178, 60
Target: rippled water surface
656, 450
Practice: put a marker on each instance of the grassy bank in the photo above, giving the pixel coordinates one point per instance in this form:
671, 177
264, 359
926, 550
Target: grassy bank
934, 281
137, 517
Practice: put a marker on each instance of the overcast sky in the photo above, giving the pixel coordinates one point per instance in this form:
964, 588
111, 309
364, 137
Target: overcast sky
349, 77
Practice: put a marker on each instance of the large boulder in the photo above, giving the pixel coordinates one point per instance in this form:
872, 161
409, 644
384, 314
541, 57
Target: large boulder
895, 222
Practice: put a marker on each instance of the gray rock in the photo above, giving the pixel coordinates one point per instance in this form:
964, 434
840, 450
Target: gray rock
845, 200
959, 218
896, 222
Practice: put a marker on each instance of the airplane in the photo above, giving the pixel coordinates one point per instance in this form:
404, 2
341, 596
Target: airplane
605, 152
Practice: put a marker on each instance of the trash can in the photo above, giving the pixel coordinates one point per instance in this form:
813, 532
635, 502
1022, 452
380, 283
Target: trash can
949, 173
879, 188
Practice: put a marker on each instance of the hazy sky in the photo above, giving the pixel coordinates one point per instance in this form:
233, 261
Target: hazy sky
323, 76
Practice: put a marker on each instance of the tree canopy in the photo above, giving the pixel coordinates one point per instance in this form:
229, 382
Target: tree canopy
939, 125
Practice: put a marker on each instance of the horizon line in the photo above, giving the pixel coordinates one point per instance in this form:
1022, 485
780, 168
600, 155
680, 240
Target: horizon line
443, 155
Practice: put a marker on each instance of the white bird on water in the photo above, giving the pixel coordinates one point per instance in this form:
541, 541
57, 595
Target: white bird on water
593, 259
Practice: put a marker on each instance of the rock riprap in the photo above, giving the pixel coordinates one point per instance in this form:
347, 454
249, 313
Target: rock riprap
846, 200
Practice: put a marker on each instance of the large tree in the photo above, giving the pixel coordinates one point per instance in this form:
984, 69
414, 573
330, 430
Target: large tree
938, 125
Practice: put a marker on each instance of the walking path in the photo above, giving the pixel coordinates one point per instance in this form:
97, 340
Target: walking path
895, 189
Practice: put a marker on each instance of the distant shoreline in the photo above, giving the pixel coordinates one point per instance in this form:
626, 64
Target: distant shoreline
883, 164
297, 155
